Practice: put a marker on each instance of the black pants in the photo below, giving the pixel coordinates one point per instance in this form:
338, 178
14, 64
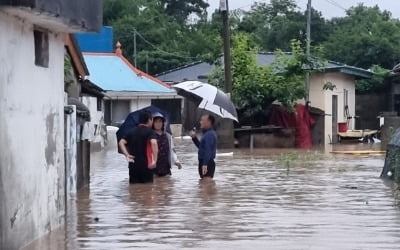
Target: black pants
210, 170
140, 174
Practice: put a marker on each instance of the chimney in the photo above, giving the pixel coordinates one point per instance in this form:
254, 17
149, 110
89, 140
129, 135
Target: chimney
118, 49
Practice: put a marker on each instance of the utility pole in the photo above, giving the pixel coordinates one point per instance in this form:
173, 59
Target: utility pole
134, 47
226, 35
308, 49
226, 134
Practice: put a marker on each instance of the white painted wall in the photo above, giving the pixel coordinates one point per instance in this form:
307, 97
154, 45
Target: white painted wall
322, 99
96, 125
32, 180
137, 104
71, 152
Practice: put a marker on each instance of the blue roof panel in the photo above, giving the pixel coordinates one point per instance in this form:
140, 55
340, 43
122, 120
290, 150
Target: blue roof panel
96, 42
111, 73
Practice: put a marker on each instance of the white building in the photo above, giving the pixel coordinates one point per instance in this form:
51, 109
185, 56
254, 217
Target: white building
32, 170
128, 89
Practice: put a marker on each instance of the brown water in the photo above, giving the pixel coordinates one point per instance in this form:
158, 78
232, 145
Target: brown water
255, 202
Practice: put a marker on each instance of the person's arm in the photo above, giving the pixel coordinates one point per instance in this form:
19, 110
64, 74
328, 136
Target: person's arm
174, 156
154, 149
122, 145
194, 138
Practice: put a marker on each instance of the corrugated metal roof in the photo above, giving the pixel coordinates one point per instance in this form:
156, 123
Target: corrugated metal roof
199, 70
112, 72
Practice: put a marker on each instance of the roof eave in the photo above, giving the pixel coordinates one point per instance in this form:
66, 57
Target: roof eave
356, 72
138, 94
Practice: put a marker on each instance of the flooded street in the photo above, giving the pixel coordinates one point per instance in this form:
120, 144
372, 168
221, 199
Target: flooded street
257, 201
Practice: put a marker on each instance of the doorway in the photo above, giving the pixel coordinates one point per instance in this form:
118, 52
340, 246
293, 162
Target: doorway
334, 119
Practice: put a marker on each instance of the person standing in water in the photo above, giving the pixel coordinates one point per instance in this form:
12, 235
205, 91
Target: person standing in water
140, 148
166, 153
207, 146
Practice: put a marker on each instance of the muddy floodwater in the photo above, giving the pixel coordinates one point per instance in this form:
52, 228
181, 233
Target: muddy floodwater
258, 200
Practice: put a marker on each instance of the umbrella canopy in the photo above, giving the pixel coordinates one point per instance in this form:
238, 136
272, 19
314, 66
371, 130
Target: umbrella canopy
208, 97
132, 121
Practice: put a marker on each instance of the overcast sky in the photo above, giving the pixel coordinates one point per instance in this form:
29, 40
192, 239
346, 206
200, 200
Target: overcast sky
328, 9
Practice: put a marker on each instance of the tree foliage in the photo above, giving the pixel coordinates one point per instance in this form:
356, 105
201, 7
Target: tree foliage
256, 87
366, 36
165, 38
177, 32
376, 84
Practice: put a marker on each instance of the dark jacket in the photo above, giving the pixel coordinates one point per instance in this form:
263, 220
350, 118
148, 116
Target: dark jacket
207, 146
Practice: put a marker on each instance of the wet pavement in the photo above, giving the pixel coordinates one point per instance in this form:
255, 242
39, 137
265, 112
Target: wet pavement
258, 200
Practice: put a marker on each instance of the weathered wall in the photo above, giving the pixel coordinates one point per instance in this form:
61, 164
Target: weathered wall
322, 99
72, 15
32, 181
368, 108
71, 151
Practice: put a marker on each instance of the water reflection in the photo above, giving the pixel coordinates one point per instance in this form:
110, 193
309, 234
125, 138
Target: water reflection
334, 202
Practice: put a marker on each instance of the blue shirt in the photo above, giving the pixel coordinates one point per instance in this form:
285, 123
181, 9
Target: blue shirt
207, 146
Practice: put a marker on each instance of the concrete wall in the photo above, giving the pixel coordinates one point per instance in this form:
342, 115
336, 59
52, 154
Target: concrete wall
322, 99
97, 129
32, 179
119, 110
71, 151
368, 108
137, 104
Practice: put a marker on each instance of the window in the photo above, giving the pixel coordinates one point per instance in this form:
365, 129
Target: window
99, 104
41, 39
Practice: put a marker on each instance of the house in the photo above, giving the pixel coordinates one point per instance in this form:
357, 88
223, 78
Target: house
90, 94
338, 103
129, 89
84, 122
32, 169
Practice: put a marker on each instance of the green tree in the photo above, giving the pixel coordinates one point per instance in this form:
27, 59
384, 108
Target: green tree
273, 26
165, 39
255, 88
366, 36
376, 84
182, 9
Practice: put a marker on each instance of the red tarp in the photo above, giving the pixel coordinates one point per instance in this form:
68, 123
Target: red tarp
301, 120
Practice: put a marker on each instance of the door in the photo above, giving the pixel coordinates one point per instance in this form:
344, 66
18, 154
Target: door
334, 119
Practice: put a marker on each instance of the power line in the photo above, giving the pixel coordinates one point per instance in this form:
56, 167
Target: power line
162, 51
336, 4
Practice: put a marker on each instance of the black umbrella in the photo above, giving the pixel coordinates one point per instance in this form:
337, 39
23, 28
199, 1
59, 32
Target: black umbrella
132, 121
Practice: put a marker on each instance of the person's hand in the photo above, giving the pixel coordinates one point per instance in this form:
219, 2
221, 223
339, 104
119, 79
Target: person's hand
179, 165
193, 134
153, 165
130, 158
204, 169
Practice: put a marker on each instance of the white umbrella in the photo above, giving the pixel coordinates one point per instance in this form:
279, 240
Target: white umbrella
208, 97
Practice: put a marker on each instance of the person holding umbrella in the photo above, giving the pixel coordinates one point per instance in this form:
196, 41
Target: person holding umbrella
166, 153
207, 146
140, 148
